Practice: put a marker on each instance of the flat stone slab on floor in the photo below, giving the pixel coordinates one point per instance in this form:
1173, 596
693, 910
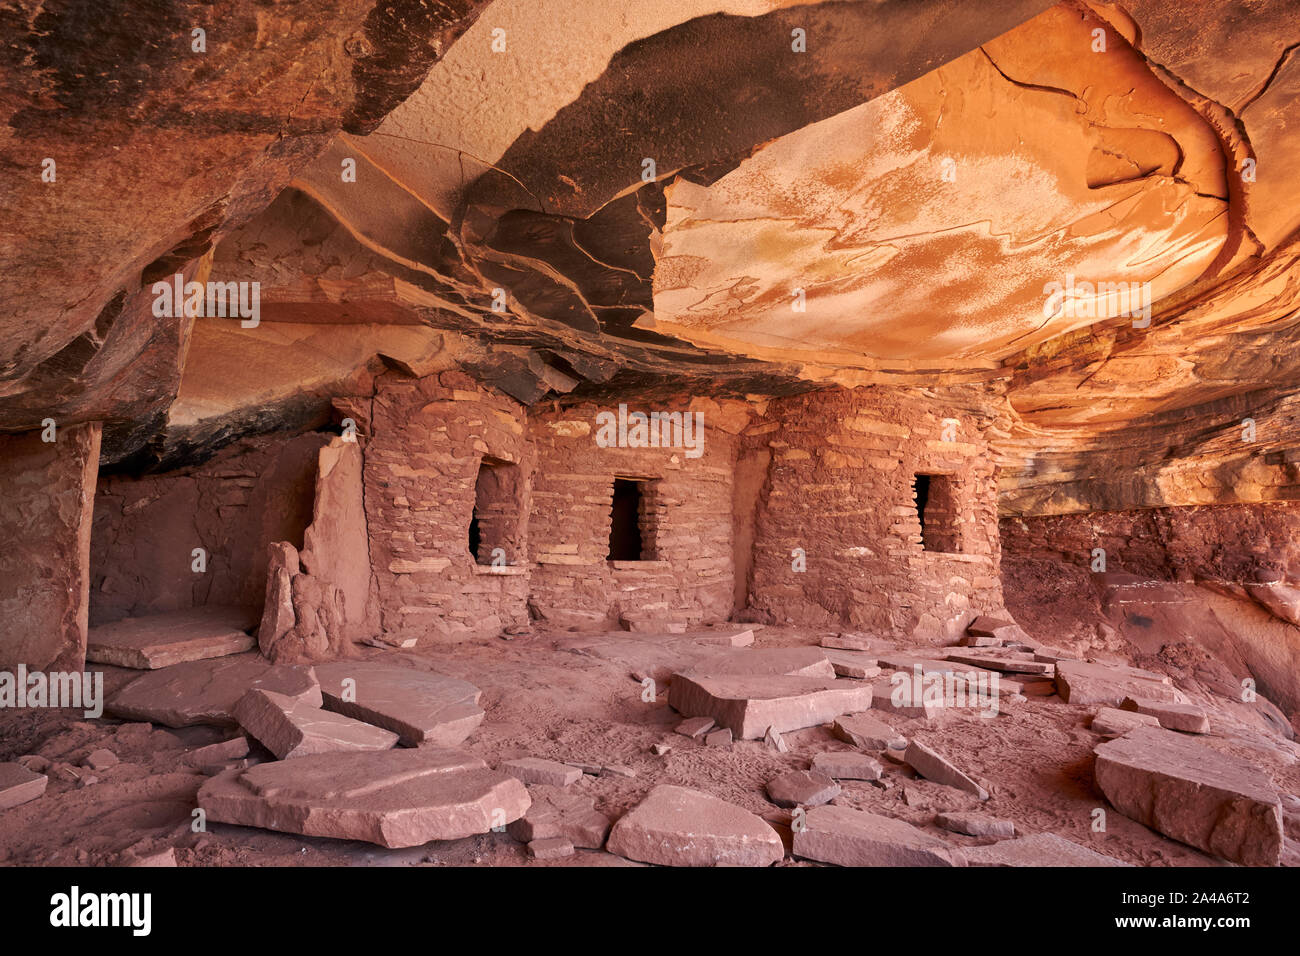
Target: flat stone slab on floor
206, 692
976, 825
1040, 849
1005, 664
1188, 791
802, 788
18, 785
868, 732
1188, 718
677, 826
847, 642
847, 765
161, 640
393, 798
537, 770
849, 837
424, 709
292, 728
747, 706
906, 665
1079, 682
859, 665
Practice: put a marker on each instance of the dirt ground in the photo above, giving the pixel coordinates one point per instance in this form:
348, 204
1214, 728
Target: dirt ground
545, 698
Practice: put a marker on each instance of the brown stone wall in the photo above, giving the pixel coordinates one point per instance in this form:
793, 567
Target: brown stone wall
688, 527
427, 439
251, 493
49, 490
840, 487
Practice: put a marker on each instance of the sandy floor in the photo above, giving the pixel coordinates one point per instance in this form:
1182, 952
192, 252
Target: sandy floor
548, 701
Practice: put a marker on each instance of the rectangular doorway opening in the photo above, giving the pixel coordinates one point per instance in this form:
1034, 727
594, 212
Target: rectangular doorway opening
938, 511
632, 526
494, 525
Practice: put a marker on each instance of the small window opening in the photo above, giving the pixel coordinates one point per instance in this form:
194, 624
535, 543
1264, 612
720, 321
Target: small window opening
937, 508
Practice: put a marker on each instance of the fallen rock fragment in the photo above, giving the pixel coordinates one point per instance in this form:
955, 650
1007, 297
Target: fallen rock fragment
677, 826
1185, 717
101, 760
206, 692
749, 705
393, 798
847, 641
18, 785
550, 848
1000, 629
847, 837
695, 727
1079, 682
555, 812
1041, 849
775, 741
802, 788
1110, 722
857, 665
1002, 664
1188, 791
290, 728
424, 709
868, 733
718, 738
161, 640
536, 770
933, 766
847, 765
235, 748
976, 825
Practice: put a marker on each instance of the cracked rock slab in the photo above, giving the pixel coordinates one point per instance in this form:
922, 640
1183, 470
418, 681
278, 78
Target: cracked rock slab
393, 798
1188, 791
206, 692
292, 728
424, 709
749, 705
847, 837
161, 640
677, 826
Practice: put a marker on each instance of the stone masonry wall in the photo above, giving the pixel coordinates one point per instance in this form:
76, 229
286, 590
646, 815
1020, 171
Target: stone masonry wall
49, 488
688, 530
840, 487
427, 439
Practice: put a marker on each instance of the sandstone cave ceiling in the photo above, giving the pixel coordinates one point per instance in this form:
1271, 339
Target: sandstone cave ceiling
921, 170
